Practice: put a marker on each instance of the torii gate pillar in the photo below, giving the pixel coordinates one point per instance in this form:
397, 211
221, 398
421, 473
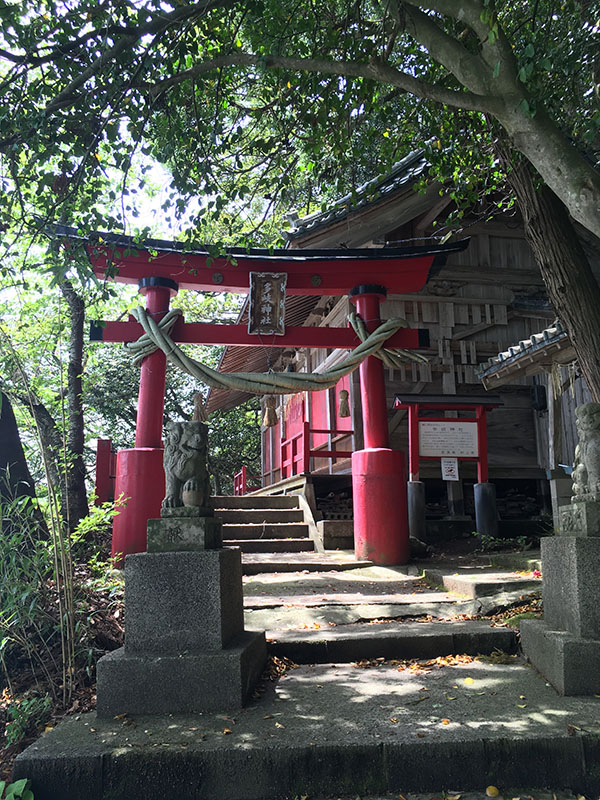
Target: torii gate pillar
378, 472
140, 477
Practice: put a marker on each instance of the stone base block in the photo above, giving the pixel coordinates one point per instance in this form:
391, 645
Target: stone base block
216, 681
336, 533
182, 602
569, 663
580, 518
571, 576
184, 534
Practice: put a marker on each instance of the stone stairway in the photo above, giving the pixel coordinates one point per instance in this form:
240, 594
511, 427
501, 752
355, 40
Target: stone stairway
263, 524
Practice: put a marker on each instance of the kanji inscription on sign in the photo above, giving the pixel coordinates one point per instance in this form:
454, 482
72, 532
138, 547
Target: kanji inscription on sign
267, 303
453, 438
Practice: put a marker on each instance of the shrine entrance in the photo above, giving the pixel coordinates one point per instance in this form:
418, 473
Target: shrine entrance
366, 275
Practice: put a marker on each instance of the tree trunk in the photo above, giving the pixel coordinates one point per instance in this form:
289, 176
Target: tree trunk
571, 285
15, 478
76, 492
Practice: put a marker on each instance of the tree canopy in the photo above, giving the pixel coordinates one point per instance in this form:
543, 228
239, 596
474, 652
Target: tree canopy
275, 103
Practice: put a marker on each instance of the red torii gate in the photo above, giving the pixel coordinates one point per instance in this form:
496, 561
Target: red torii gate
161, 268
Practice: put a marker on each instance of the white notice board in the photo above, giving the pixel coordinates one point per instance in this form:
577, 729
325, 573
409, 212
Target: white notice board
453, 438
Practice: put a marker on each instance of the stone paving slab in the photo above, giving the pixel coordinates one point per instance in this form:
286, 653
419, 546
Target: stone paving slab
480, 581
302, 599
344, 599
367, 579
302, 617
392, 640
332, 730
256, 563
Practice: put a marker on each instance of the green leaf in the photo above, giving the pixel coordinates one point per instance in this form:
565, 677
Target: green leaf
492, 37
523, 75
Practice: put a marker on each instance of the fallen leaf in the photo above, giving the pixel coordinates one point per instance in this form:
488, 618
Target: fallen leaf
451, 697
279, 725
420, 735
226, 731
492, 791
453, 796
469, 681
521, 705
445, 722
394, 719
268, 716
50, 727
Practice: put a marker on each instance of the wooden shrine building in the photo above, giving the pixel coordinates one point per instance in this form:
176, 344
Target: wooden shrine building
481, 301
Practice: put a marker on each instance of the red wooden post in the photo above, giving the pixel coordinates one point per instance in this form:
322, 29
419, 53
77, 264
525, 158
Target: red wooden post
151, 397
482, 455
306, 446
372, 378
378, 473
140, 479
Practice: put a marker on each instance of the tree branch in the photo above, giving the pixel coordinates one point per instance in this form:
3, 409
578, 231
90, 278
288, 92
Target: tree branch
154, 27
469, 12
469, 69
375, 70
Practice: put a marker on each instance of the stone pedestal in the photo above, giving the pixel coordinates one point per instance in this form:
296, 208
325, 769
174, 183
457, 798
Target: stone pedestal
486, 512
565, 645
417, 524
560, 493
580, 518
185, 645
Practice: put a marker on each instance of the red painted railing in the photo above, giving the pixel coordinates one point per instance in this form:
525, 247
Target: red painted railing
242, 481
296, 451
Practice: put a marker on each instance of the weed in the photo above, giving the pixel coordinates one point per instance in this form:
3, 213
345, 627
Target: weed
19, 790
24, 716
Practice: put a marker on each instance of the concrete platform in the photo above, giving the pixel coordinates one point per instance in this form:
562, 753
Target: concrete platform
334, 730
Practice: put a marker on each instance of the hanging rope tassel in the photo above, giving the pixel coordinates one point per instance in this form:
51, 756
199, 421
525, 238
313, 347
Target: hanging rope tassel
270, 415
344, 409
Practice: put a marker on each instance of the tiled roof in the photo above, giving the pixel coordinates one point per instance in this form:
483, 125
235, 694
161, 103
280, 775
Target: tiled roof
403, 173
526, 348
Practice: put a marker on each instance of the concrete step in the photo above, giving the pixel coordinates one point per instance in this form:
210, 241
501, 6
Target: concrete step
397, 640
336, 731
276, 530
271, 545
243, 516
252, 501
480, 581
257, 563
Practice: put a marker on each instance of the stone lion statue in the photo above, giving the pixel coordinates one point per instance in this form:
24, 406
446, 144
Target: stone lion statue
586, 468
185, 462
